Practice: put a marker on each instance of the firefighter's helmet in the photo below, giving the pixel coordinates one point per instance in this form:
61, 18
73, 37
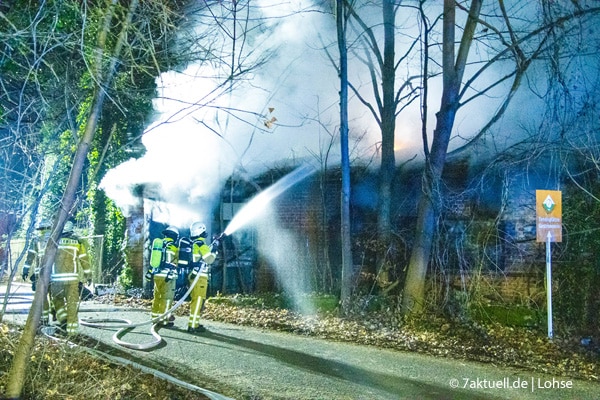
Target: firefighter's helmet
197, 229
171, 232
69, 227
43, 225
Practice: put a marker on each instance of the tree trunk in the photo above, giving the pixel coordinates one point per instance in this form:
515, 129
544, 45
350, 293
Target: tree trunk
453, 70
388, 130
347, 268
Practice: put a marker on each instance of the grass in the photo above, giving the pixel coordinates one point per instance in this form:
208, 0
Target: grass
516, 316
58, 370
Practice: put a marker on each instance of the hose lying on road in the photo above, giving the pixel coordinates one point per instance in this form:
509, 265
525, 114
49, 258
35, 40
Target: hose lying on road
127, 326
50, 331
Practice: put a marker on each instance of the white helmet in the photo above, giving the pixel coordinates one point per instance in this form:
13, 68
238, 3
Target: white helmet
171, 232
197, 229
43, 225
69, 227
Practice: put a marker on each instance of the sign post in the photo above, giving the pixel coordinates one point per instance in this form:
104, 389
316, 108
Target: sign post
549, 229
549, 285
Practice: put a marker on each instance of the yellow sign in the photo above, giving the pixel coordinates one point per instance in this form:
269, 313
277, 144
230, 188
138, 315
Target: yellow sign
548, 221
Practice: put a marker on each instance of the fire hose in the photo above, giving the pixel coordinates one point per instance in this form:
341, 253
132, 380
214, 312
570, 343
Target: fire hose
160, 374
127, 326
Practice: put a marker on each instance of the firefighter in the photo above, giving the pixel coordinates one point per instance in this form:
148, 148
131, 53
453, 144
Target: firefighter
163, 264
34, 258
71, 259
202, 256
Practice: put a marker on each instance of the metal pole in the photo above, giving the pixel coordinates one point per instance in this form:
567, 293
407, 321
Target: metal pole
549, 283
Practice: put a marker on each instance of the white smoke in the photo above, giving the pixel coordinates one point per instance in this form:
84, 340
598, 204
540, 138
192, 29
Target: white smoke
197, 141
286, 110
183, 165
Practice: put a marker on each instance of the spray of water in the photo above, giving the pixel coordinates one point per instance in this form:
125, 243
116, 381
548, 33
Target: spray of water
258, 204
283, 250
288, 256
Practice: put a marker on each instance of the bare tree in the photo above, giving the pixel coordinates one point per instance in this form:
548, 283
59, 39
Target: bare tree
375, 47
25, 84
347, 264
521, 48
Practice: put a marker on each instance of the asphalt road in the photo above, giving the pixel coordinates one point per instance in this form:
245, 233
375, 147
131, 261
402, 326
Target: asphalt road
249, 363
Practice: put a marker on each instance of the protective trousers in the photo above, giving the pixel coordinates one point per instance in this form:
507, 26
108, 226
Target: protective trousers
65, 296
164, 293
197, 295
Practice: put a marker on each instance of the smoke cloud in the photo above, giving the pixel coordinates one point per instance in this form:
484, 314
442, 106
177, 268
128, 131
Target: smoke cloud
202, 133
286, 110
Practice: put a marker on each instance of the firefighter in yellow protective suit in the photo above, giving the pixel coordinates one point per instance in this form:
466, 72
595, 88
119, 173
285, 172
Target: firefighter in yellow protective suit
163, 264
202, 257
71, 261
31, 267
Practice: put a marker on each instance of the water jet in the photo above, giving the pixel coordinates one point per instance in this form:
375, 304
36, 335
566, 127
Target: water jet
257, 205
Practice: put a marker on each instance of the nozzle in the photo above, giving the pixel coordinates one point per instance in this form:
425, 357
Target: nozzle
221, 236
218, 238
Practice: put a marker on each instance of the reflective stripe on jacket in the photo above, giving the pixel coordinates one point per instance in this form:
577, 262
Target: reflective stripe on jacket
170, 251
200, 250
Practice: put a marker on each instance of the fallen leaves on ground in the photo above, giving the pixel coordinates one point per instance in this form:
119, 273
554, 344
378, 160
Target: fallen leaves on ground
58, 370
522, 348
527, 349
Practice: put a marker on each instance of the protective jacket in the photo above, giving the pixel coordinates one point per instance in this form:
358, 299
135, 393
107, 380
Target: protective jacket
31, 267
201, 252
202, 257
71, 260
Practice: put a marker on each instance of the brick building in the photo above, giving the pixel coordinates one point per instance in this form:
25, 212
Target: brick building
304, 221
